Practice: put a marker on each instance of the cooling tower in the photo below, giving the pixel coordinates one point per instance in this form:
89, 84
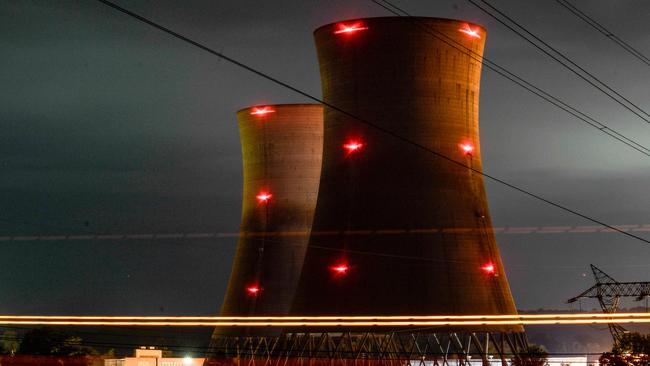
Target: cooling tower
282, 148
398, 230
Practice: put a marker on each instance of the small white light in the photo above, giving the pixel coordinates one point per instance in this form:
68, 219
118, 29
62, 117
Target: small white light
187, 360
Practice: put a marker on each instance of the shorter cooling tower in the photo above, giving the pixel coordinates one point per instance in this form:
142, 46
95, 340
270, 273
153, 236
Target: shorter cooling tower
282, 148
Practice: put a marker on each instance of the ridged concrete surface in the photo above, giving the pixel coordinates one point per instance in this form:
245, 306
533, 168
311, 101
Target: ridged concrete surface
282, 156
401, 77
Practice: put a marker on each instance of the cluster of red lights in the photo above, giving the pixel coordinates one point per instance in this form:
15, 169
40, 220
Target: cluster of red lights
349, 28
351, 146
342, 269
342, 28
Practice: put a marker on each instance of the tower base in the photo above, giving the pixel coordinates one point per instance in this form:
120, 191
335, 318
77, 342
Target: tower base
370, 349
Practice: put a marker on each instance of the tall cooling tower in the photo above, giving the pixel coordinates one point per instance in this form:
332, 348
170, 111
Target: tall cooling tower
398, 230
282, 148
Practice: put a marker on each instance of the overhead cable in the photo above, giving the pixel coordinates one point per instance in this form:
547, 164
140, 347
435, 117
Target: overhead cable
365, 122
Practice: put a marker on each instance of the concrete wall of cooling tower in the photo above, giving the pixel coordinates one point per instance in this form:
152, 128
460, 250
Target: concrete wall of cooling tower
414, 228
282, 149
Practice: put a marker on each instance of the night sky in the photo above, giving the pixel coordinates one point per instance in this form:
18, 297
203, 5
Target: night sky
108, 126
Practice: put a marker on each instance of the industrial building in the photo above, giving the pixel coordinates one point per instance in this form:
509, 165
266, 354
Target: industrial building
151, 356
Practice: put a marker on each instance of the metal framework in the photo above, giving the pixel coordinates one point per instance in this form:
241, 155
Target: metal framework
608, 291
370, 348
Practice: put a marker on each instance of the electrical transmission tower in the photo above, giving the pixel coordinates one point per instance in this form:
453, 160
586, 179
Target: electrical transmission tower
608, 291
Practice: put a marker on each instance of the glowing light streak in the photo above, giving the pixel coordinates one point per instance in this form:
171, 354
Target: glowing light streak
340, 269
329, 317
470, 32
253, 290
581, 318
558, 319
264, 197
467, 148
261, 111
489, 268
352, 146
343, 28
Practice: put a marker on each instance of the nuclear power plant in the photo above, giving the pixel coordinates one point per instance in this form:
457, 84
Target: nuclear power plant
394, 229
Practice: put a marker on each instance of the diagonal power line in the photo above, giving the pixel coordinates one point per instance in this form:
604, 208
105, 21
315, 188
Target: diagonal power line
366, 122
500, 70
564, 60
604, 31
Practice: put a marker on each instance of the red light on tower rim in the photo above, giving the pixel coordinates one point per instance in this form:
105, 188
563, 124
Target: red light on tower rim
253, 290
262, 111
263, 197
467, 148
489, 268
340, 269
352, 146
470, 32
351, 28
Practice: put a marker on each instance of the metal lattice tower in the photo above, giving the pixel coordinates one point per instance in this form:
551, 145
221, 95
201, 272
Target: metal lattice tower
608, 291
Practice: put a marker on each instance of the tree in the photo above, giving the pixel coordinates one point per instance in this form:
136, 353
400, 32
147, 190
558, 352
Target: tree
534, 355
46, 341
632, 343
632, 349
9, 343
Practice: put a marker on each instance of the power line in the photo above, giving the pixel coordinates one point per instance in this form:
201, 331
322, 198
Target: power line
363, 121
509, 75
604, 31
589, 78
514, 230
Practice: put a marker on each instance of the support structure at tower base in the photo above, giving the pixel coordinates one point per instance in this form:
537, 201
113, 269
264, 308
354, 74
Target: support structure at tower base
371, 348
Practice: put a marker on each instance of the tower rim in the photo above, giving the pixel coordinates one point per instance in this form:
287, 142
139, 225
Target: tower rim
280, 105
333, 24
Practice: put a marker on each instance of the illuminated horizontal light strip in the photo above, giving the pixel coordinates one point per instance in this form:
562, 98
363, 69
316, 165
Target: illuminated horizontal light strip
328, 317
434, 230
405, 323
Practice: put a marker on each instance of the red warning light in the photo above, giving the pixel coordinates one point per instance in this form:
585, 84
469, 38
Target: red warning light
349, 28
340, 269
489, 269
264, 197
467, 148
261, 111
352, 146
253, 290
469, 31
